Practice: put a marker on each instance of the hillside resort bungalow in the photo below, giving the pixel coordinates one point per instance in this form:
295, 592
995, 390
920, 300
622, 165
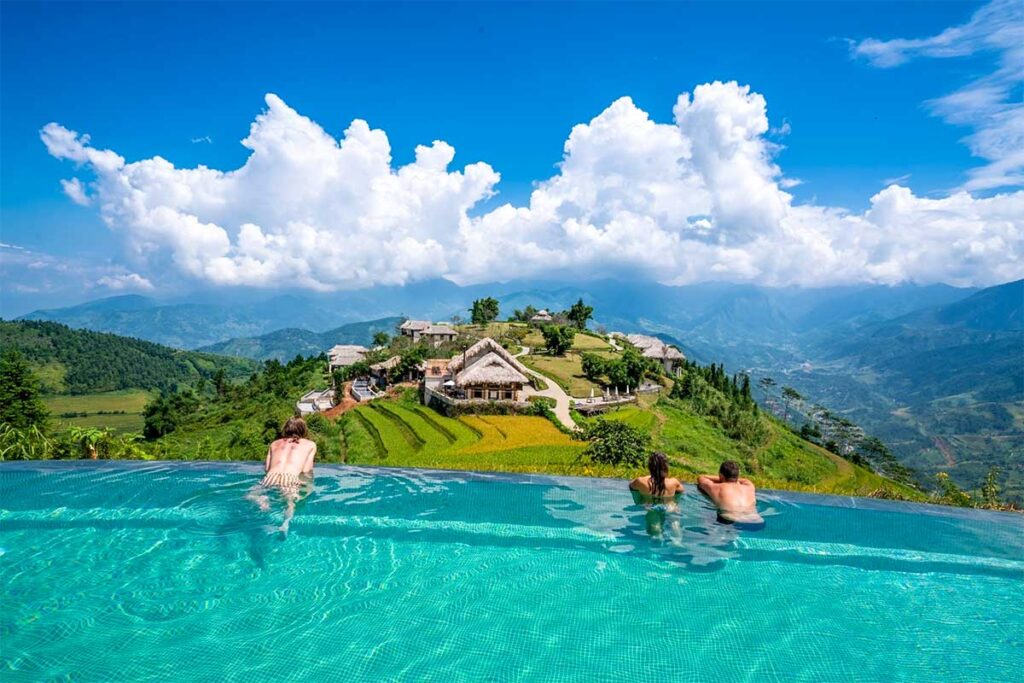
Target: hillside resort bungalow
344, 355
542, 317
435, 335
670, 358
315, 402
484, 372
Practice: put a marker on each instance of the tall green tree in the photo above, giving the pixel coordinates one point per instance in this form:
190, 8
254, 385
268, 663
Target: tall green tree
20, 405
220, 382
789, 396
558, 338
579, 313
484, 311
381, 339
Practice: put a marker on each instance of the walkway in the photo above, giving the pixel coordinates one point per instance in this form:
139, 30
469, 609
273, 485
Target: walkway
346, 403
562, 400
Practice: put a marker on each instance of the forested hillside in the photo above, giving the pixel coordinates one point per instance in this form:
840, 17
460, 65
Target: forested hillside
81, 362
285, 344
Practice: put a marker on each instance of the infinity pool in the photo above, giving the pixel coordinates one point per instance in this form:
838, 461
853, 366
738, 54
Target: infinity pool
135, 572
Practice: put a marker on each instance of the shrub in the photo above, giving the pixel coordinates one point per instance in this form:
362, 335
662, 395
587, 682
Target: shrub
613, 442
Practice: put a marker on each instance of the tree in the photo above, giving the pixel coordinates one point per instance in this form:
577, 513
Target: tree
579, 314
20, 405
613, 442
789, 395
880, 459
410, 359
593, 366
558, 338
381, 339
484, 311
358, 369
523, 316
220, 382
629, 369
166, 412
767, 385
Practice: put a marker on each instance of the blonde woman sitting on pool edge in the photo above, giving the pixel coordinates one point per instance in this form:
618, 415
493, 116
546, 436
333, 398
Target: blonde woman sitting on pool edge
288, 467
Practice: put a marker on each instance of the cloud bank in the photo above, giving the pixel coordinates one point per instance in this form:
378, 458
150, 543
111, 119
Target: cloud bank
697, 199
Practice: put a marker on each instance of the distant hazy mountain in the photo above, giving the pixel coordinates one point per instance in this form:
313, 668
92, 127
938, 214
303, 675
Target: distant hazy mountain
286, 344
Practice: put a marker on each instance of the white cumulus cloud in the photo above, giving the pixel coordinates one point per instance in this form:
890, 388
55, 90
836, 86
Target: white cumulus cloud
125, 281
698, 198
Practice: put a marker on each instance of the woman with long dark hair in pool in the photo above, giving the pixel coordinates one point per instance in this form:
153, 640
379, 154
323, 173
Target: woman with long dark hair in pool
657, 484
658, 492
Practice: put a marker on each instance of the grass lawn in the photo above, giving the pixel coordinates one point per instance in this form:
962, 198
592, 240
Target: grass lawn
566, 370
124, 409
584, 342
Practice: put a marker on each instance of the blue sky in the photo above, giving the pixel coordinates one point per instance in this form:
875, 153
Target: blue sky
502, 83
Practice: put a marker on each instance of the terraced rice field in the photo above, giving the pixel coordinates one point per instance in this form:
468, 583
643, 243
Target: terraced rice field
401, 433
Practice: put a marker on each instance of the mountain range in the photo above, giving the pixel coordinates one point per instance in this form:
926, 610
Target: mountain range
936, 371
290, 342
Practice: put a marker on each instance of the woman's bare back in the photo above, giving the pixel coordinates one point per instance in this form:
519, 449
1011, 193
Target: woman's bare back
643, 485
290, 456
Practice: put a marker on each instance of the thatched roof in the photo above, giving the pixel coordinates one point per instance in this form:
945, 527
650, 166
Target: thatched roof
415, 325
652, 347
481, 349
490, 369
664, 352
542, 314
643, 341
346, 354
386, 364
441, 328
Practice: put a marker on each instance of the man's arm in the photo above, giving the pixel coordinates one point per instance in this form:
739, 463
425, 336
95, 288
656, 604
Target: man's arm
706, 483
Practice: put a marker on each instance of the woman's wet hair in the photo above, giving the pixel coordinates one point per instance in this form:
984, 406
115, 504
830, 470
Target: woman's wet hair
294, 429
657, 465
729, 471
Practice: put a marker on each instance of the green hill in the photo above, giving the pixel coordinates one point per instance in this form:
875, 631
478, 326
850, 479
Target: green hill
399, 431
288, 343
71, 361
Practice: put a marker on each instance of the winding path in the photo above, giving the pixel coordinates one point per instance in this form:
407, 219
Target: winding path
553, 391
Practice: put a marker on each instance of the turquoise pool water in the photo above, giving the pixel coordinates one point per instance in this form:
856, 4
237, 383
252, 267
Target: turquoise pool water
138, 572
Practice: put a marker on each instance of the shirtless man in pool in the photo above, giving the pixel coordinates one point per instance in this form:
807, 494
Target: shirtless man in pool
289, 465
735, 498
